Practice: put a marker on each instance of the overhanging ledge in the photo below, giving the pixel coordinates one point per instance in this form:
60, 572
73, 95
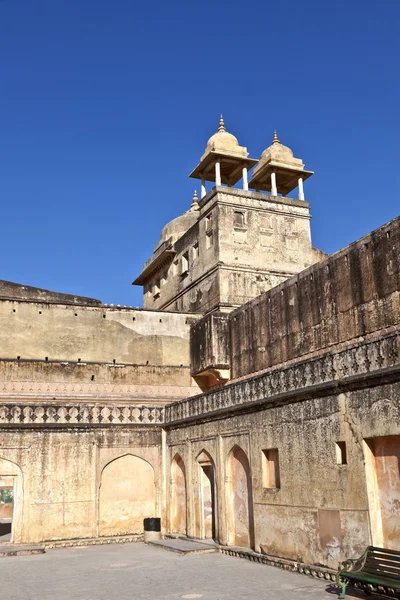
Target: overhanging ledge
154, 263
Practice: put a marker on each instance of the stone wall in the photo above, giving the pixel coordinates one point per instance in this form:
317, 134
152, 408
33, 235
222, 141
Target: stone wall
57, 475
38, 381
347, 296
309, 437
242, 244
63, 332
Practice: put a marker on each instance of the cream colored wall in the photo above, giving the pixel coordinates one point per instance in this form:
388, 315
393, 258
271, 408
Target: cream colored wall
63, 332
276, 235
58, 475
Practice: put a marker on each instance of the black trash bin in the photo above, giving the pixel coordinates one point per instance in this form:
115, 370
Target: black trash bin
152, 529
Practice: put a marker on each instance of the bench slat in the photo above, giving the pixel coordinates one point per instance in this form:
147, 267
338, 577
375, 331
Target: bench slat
374, 578
375, 549
382, 572
381, 567
383, 561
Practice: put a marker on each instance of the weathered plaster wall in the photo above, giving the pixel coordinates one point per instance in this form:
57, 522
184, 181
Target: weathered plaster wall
64, 332
320, 513
353, 293
38, 381
59, 472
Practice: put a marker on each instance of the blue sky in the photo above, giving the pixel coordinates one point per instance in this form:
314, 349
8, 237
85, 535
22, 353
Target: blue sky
106, 107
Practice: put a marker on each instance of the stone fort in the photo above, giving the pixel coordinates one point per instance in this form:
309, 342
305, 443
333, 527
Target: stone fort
253, 400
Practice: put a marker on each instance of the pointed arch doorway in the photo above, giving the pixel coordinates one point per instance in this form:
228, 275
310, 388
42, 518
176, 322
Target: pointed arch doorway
178, 506
206, 497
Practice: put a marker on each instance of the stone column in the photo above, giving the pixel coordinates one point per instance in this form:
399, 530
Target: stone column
217, 173
301, 191
274, 190
203, 188
245, 181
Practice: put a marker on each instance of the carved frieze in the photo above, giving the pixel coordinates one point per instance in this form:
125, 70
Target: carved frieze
359, 359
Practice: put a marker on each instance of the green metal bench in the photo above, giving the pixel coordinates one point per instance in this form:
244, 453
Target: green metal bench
377, 570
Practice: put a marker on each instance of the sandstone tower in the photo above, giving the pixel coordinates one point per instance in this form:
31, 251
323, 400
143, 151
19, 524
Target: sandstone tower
233, 243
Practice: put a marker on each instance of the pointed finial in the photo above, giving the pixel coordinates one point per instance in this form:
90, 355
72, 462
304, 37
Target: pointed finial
195, 202
276, 139
221, 124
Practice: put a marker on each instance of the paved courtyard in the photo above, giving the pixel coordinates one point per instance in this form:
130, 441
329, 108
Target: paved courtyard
138, 571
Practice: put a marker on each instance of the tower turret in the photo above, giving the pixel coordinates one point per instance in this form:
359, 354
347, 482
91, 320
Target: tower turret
278, 171
224, 160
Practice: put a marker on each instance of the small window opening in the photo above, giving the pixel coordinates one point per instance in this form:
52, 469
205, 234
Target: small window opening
46, 358
156, 289
76, 314
18, 357
133, 318
92, 378
79, 360
239, 219
114, 361
209, 239
104, 316
271, 476
185, 263
341, 453
40, 312
13, 309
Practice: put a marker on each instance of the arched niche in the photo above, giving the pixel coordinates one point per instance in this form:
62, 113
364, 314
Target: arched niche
178, 497
240, 521
126, 496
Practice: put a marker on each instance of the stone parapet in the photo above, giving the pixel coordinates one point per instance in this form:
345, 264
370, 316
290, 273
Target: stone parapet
351, 367
17, 415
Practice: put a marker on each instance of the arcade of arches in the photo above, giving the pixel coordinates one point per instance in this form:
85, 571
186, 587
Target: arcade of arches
217, 503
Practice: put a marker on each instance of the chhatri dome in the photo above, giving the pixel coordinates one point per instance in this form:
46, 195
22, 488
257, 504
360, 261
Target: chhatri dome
224, 142
278, 171
223, 161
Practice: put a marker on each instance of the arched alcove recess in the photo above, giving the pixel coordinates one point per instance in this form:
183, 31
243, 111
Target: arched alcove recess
205, 502
178, 496
240, 521
11, 480
126, 496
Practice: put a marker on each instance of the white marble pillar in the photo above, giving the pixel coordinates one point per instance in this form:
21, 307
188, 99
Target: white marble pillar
301, 190
217, 173
245, 180
203, 188
274, 190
